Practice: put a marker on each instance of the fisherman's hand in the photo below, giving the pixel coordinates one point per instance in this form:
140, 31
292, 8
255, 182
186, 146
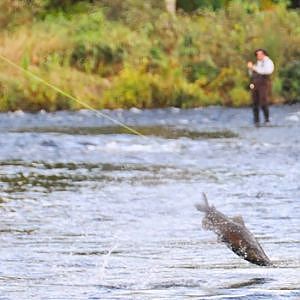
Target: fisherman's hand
250, 65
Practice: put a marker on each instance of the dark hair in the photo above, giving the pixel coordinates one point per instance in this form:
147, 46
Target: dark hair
262, 50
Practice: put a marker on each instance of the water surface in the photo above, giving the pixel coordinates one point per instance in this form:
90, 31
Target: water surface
90, 211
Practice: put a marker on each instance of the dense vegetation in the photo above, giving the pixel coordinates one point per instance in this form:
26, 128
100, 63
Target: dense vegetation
126, 53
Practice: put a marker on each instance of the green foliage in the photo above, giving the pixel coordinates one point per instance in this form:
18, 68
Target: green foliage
231, 83
134, 88
203, 72
98, 48
129, 89
239, 96
126, 53
25, 93
291, 81
30, 95
294, 3
200, 4
194, 5
175, 91
132, 12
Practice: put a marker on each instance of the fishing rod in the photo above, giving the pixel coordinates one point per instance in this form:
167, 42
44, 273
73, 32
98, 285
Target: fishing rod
57, 89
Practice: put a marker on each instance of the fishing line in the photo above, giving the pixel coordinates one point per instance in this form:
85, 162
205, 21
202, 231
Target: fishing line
98, 114
57, 89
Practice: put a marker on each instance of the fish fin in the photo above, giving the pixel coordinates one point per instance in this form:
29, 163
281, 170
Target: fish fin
204, 205
238, 219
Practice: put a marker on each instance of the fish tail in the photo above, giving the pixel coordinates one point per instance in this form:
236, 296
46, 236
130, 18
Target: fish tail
204, 207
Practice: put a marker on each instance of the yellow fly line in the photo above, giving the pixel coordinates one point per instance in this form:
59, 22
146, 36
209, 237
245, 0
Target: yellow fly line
98, 113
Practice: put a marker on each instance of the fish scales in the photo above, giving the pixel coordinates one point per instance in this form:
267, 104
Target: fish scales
234, 233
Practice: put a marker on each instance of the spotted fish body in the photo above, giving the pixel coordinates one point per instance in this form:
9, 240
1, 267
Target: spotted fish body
233, 232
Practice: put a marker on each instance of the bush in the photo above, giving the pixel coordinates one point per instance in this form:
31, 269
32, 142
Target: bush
130, 89
99, 47
23, 92
239, 96
176, 91
134, 88
290, 81
230, 83
203, 71
192, 5
99, 58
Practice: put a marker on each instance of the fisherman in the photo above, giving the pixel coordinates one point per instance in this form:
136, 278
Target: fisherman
261, 84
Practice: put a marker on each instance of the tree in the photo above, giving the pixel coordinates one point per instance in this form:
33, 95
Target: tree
171, 6
295, 3
192, 5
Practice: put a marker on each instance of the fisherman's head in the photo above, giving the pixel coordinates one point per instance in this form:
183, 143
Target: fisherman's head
260, 54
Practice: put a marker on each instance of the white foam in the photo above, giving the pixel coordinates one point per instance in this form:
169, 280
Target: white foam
135, 110
18, 113
167, 147
293, 118
85, 111
183, 121
175, 110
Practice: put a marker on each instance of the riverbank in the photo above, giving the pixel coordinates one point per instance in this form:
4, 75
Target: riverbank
140, 56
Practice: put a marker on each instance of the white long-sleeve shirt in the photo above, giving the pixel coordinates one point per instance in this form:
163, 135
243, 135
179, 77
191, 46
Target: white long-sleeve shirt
264, 67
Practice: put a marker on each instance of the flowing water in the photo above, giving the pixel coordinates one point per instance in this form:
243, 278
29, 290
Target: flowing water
89, 211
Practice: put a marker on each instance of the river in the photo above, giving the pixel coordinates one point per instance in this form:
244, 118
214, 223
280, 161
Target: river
90, 211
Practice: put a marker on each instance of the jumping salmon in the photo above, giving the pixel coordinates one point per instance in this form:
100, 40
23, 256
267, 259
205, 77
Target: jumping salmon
233, 232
